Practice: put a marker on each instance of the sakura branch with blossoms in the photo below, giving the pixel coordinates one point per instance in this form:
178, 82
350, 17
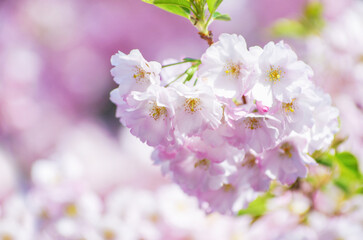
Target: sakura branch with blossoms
225, 126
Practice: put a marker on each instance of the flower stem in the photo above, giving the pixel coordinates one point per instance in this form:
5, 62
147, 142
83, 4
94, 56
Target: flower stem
208, 37
173, 64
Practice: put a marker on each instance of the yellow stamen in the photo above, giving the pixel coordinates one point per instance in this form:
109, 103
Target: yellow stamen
275, 74
289, 107
227, 187
44, 214
249, 160
108, 234
71, 210
233, 69
156, 112
154, 218
203, 164
140, 75
6, 237
252, 123
286, 150
192, 105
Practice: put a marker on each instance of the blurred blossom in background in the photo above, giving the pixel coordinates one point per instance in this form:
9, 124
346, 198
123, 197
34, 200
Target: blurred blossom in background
69, 171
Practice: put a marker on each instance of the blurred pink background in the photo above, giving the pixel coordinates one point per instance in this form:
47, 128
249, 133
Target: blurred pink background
58, 133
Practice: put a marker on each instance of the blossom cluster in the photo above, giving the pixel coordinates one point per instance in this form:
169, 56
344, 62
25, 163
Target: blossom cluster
224, 127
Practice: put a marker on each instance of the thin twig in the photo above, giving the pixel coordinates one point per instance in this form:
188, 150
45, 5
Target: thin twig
208, 37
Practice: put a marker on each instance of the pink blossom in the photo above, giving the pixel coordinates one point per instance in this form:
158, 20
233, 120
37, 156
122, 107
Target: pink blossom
287, 161
255, 131
195, 174
326, 124
196, 109
335, 227
297, 115
229, 67
242, 185
261, 108
282, 75
16, 220
149, 114
133, 73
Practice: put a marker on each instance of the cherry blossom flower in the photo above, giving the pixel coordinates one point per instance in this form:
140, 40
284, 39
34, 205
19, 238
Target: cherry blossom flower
194, 174
241, 187
297, 115
288, 160
255, 131
133, 73
151, 110
282, 75
196, 109
326, 124
229, 67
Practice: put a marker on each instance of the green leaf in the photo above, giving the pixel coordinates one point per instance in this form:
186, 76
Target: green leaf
360, 189
258, 207
190, 72
178, 8
181, 3
349, 161
349, 179
314, 10
289, 28
348, 183
313, 19
222, 17
310, 23
213, 5
324, 158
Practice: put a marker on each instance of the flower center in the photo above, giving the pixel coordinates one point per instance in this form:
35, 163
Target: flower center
233, 69
289, 107
203, 164
140, 75
252, 123
249, 160
71, 210
44, 214
286, 149
156, 112
192, 105
227, 187
6, 237
275, 74
108, 234
154, 217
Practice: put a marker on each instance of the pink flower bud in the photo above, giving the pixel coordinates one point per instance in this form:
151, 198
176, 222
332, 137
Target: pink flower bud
261, 108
